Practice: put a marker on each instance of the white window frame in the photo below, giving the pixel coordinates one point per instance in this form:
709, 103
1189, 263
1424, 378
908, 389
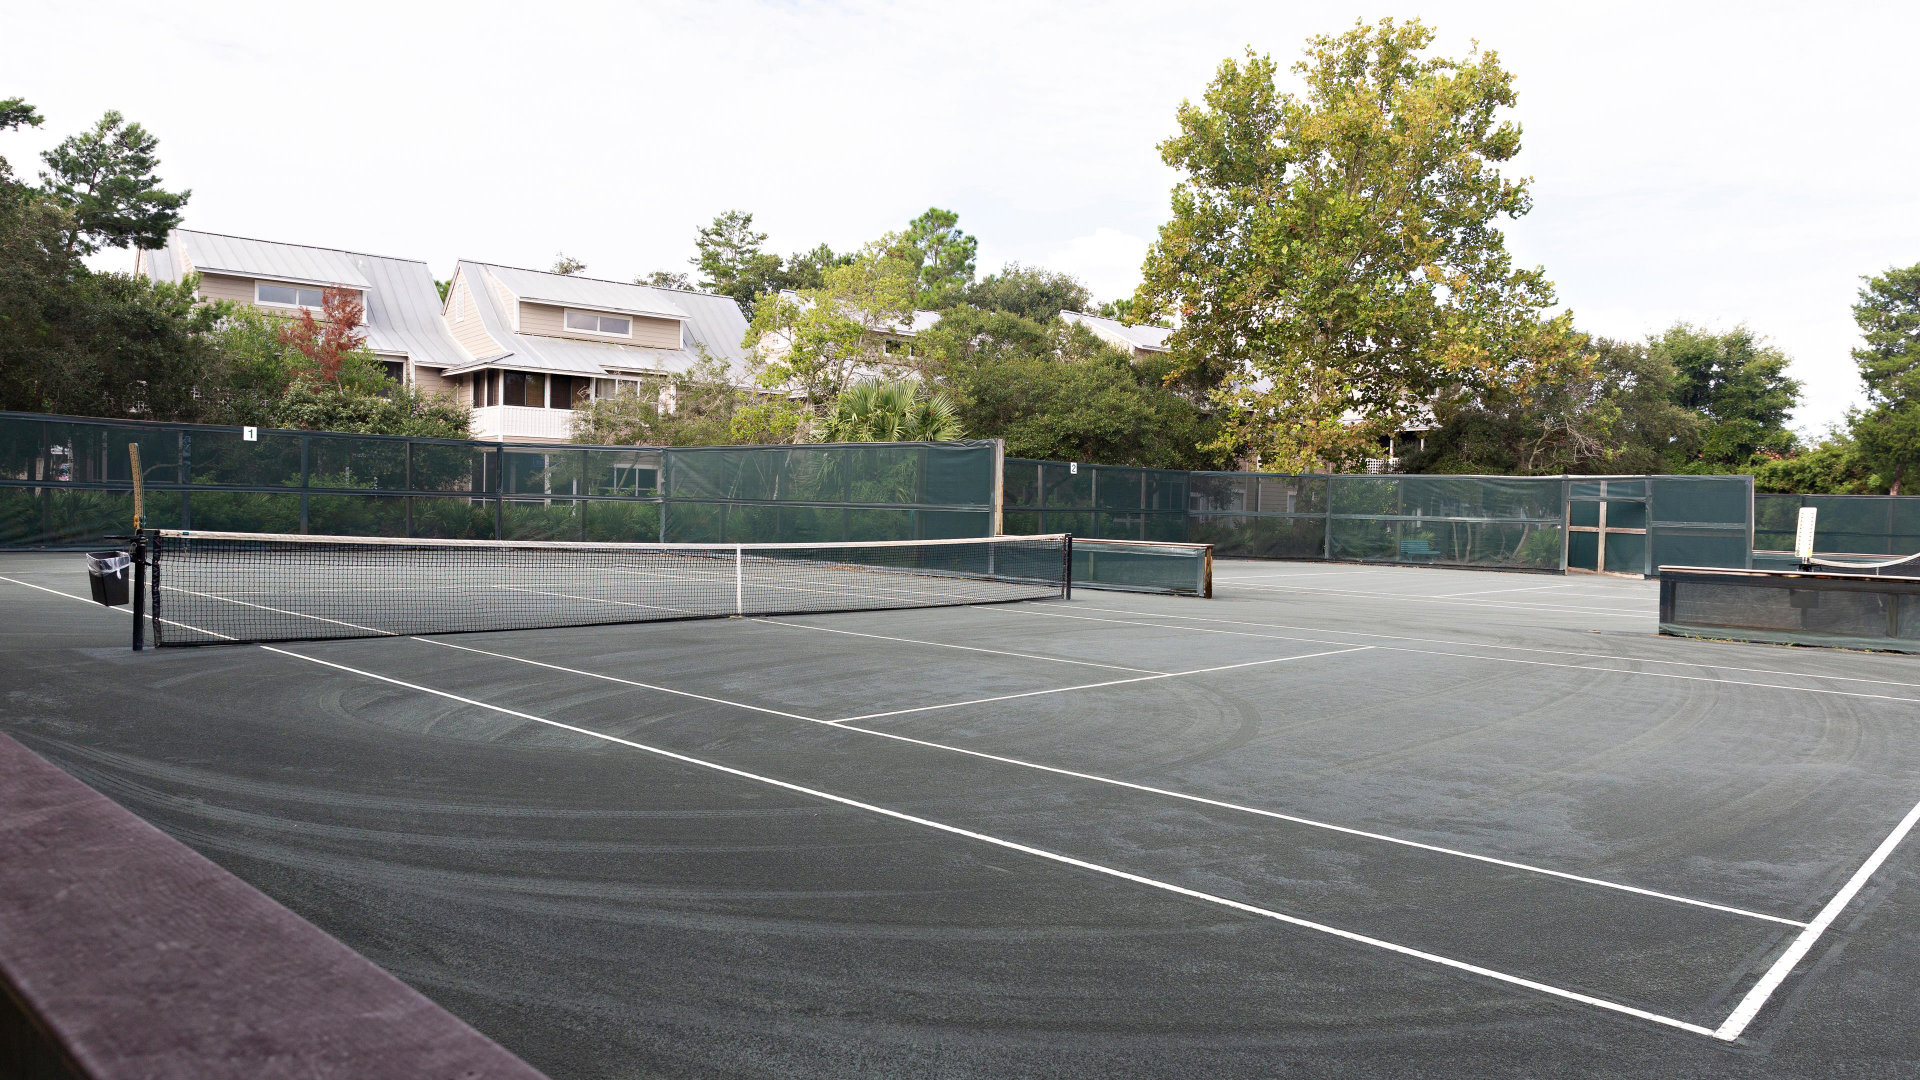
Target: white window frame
296, 287
567, 313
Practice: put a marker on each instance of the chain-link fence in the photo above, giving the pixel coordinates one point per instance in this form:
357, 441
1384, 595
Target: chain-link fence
1620, 524
1869, 526
65, 482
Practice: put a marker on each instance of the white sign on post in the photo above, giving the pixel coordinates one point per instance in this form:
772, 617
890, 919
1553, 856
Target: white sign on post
1073, 468
1803, 535
250, 434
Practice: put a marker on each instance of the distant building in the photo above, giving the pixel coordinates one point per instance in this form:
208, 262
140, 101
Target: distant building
540, 344
403, 324
1137, 341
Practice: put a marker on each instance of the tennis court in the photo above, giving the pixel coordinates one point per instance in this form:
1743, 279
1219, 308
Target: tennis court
1340, 820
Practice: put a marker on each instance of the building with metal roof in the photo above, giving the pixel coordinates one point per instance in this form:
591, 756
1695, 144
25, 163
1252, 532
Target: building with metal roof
402, 321
1138, 341
542, 344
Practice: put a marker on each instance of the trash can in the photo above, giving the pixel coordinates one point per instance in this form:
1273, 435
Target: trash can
111, 574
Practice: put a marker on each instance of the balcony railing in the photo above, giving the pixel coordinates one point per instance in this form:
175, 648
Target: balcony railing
519, 423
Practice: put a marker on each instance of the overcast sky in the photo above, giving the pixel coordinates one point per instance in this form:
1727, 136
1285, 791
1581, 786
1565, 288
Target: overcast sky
1718, 164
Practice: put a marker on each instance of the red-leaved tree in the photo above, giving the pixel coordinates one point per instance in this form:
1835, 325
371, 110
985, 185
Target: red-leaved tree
326, 340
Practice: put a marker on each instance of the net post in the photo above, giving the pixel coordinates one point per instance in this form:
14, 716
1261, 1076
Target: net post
139, 487
139, 590
1066, 569
739, 581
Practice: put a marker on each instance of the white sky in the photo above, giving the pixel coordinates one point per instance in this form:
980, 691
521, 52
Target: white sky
1716, 163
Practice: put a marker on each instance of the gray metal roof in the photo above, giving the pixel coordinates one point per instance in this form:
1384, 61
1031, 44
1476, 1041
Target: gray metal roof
1150, 338
403, 307
571, 289
711, 324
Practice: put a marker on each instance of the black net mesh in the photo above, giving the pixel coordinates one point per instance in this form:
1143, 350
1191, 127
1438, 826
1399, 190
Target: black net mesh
215, 589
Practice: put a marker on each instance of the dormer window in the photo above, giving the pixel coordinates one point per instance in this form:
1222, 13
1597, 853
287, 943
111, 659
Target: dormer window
288, 295
587, 322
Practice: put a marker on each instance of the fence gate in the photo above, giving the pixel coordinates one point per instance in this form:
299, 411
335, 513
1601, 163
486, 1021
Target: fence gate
1607, 527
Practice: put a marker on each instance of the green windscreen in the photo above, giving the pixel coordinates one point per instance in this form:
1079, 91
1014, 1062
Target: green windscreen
1873, 525
1132, 566
64, 482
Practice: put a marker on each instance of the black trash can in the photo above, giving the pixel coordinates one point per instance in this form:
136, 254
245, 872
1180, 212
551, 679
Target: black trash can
111, 574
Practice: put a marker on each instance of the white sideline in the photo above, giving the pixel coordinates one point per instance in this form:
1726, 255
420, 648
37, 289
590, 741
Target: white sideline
1041, 853
1095, 686
1516, 588
948, 645
1308, 822
1758, 994
1502, 648
1729, 1030
1473, 656
1169, 793
1436, 600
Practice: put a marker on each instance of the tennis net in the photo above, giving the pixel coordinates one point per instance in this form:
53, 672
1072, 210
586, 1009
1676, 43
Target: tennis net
222, 588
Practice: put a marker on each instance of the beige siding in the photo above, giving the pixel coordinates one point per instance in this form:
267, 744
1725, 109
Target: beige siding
431, 381
232, 287
549, 320
464, 319
226, 287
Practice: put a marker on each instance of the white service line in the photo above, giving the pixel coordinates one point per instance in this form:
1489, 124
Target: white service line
948, 645
1729, 1030
275, 610
1758, 994
1503, 648
1040, 853
1517, 588
629, 682
1475, 656
1434, 600
123, 610
1309, 822
1308, 574
1095, 686
1169, 793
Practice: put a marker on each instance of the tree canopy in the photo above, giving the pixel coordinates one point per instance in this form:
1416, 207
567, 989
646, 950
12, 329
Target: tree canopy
816, 342
1054, 390
73, 340
1334, 258
105, 178
944, 258
1887, 431
1737, 384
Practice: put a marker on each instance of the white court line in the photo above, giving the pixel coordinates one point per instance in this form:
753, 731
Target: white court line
275, 610
595, 599
1095, 686
1098, 779
1309, 822
1041, 853
1758, 994
1476, 656
1504, 648
1729, 1030
629, 682
1435, 600
1517, 588
947, 645
89, 600
1308, 574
